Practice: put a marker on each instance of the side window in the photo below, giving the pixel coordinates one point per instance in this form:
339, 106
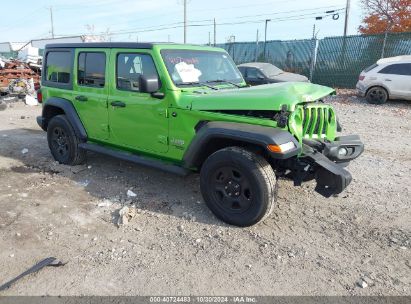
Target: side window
91, 69
407, 68
397, 69
129, 69
58, 67
254, 73
242, 70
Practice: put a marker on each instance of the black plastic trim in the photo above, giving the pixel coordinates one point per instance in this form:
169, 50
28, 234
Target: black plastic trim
70, 113
252, 134
40, 122
141, 160
352, 143
331, 177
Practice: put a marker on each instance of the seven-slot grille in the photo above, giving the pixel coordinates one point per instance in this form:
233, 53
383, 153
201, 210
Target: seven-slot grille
316, 121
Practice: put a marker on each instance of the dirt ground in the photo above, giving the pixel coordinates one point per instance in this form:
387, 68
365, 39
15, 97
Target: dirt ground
174, 245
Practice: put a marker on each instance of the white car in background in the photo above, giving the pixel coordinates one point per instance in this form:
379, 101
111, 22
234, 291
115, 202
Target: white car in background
389, 78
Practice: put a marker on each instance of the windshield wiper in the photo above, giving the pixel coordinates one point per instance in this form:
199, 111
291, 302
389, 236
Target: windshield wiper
197, 83
225, 81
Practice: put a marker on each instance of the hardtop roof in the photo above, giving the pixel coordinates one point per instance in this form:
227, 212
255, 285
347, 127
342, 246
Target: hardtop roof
121, 45
129, 45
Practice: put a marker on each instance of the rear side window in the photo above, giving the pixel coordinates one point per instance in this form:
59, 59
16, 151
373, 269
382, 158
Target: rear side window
254, 73
397, 69
91, 69
129, 69
58, 67
371, 67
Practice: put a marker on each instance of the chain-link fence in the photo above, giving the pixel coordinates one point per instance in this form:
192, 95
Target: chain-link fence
334, 61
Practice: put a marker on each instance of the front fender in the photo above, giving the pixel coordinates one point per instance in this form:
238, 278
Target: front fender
239, 132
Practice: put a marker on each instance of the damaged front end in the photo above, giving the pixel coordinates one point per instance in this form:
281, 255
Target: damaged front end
323, 156
324, 161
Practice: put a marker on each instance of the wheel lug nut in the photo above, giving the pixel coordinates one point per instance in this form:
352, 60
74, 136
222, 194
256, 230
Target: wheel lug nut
237, 193
225, 187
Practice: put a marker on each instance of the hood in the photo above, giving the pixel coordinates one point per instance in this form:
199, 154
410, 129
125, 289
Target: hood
283, 77
264, 97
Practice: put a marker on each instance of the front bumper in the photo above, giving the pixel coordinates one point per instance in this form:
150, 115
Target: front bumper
328, 164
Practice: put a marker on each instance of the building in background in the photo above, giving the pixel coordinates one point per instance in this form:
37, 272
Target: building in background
31, 51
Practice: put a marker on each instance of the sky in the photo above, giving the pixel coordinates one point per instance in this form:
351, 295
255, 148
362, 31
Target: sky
162, 20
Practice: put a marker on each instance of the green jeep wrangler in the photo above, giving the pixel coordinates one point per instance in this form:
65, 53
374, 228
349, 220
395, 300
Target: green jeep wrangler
184, 108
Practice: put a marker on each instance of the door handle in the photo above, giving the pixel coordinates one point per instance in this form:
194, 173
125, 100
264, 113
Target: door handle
387, 79
81, 98
119, 104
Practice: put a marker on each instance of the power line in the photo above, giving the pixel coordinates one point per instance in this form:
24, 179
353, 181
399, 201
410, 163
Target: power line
146, 28
288, 18
243, 6
285, 12
197, 23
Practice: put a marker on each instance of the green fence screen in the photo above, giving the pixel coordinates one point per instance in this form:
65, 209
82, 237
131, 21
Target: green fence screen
334, 61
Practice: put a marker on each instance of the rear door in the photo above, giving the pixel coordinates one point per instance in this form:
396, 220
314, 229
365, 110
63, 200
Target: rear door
90, 89
397, 77
137, 120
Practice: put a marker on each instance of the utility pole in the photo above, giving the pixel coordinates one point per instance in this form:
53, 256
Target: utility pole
209, 38
256, 47
347, 14
215, 32
52, 23
314, 31
313, 53
185, 21
265, 38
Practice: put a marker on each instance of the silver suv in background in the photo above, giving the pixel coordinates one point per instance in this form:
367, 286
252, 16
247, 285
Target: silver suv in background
389, 78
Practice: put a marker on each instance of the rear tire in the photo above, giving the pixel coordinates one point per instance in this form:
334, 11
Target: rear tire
377, 95
238, 186
63, 142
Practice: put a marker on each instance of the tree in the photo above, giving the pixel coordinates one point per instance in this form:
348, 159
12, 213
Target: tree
386, 16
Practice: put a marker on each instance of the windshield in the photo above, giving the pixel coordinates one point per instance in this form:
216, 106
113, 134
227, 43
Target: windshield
192, 67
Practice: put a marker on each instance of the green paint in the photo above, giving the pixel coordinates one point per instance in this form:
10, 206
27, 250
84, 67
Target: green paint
164, 128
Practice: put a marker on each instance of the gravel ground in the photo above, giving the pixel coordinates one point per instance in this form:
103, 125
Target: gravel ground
355, 244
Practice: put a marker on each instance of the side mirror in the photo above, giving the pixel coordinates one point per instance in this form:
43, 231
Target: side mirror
148, 85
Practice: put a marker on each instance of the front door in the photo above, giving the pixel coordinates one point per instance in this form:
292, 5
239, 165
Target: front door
90, 87
137, 120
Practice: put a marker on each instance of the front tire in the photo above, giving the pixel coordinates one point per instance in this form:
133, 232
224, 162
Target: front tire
377, 95
63, 142
238, 186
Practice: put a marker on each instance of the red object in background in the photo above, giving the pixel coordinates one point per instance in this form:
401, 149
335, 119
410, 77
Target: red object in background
39, 96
